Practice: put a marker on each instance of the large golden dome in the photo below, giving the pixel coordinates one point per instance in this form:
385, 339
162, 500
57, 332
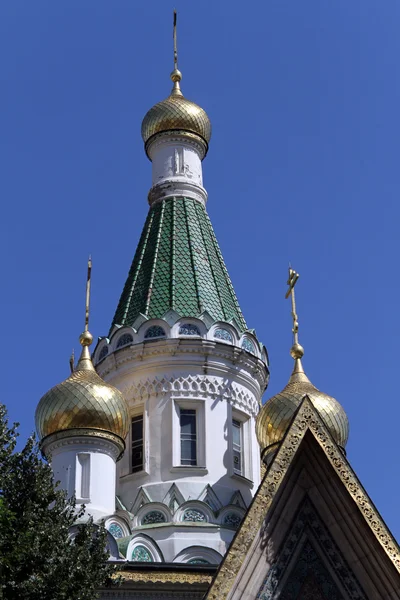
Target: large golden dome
83, 401
277, 413
176, 113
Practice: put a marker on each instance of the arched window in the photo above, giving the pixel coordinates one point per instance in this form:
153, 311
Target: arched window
141, 554
248, 345
198, 561
125, 340
232, 519
154, 516
154, 331
103, 352
194, 515
189, 329
116, 530
223, 334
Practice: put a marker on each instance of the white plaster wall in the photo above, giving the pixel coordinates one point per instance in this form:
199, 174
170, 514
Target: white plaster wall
235, 387
176, 168
173, 540
102, 474
178, 160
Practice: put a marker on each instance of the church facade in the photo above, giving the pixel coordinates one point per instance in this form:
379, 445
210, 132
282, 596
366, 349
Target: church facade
161, 432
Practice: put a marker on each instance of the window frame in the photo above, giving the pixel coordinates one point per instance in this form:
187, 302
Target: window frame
199, 407
83, 468
246, 445
188, 437
131, 467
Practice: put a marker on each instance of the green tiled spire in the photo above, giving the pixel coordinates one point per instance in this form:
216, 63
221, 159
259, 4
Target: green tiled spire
178, 265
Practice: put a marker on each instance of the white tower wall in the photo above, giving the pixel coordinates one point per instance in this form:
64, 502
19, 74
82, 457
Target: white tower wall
176, 168
86, 467
220, 382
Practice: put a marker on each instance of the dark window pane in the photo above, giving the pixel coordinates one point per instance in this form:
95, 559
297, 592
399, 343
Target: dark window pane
137, 444
237, 446
188, 437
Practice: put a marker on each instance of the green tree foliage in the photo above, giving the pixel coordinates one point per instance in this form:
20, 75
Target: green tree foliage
39, 560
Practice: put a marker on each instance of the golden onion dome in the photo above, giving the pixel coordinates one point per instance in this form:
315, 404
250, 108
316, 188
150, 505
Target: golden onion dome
83, 401
176, 113
277, 413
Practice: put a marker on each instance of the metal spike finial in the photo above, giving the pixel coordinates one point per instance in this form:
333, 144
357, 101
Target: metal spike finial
176, 75
86, 338
297, 350
175, 44
89, 274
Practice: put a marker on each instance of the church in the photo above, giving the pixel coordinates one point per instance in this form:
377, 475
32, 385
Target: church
207, 493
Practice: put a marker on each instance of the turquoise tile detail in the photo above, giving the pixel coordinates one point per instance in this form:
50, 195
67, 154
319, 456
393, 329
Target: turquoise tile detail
178, 265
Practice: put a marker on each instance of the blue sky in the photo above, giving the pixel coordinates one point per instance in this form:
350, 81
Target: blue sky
302, 167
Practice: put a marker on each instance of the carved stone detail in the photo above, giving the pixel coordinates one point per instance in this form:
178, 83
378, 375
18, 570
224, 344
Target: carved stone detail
164, 577
198, 386
307, 418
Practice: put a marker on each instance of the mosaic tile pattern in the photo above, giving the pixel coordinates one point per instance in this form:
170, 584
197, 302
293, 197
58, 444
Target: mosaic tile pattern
141, 554
116, 531
178, 265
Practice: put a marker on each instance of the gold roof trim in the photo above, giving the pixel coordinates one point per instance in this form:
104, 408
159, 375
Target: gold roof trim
164, 577
306, 419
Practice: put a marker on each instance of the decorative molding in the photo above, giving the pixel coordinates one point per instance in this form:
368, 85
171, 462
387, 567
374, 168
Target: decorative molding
210, 497
164, 577
141, 499
107, 442
241, 363
306, 522
197, 386
306, 419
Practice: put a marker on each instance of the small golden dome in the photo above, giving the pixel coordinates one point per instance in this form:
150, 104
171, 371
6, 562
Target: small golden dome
83, 401
176, 113
277, 413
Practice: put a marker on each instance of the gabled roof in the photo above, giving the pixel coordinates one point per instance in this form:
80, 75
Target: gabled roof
178, 265
310, 468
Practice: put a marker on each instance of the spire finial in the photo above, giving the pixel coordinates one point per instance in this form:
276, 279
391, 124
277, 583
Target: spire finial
176, 75
297, 351
86, 337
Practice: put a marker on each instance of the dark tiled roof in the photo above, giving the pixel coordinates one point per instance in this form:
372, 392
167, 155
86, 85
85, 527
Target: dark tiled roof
178, 265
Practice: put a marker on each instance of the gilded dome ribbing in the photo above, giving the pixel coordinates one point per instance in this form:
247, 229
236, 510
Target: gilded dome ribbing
176, 113
82, 401
277, 413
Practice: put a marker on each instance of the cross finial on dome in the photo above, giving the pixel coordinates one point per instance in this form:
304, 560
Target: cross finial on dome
176, 75
297, 351
86, 338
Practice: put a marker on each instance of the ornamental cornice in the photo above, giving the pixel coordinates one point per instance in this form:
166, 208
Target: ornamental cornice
164, 577
241, 362
107, 442
176, 188
192, 386
307, 419
177, 137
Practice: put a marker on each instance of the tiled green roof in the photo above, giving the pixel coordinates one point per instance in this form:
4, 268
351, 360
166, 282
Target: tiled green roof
178, 265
